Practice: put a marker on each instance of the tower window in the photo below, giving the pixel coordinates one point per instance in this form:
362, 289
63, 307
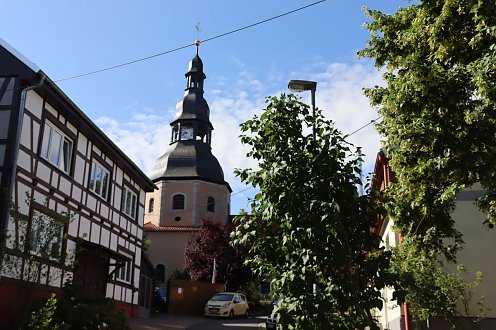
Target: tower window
175, 133
151, 205
178, 202
211, 204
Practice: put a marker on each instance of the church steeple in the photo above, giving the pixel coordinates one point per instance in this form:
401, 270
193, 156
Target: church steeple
192, 112
190, 154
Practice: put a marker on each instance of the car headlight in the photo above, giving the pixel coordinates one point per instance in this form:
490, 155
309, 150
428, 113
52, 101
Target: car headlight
226, 305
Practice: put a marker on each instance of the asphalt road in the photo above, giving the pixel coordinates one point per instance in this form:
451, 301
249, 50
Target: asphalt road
214, 324
171, 322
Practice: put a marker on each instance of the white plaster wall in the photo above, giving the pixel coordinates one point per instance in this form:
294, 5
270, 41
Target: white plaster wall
43, 172
24, 160
26, 131
51, 109
34, 103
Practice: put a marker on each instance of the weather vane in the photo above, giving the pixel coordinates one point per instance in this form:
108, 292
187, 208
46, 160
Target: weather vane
197, 42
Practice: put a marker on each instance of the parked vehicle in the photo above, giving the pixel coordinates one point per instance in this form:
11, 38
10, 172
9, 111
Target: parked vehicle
271, 323
160, 299
227, 304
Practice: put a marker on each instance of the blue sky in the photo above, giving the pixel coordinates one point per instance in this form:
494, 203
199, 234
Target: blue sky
134, 104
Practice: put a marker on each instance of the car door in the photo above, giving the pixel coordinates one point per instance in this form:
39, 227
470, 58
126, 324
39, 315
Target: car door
243, 304
237, 305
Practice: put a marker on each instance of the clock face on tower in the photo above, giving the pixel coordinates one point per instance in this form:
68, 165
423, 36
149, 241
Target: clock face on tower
187, 133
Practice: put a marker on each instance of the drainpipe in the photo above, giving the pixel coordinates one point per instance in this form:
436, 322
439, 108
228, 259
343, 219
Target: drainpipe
10, 188
19, 128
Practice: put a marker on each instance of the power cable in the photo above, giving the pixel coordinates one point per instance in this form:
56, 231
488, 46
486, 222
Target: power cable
191, 44
362, 127
179, 48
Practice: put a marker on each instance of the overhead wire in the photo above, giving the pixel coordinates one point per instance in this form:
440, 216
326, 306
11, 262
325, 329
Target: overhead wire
179, 48
193, 44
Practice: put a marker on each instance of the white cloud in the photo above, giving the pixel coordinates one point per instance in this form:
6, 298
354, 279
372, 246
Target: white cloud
146, 135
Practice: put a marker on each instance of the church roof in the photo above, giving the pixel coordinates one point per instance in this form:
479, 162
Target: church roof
188, 160
196, 65
153, 227
192, 107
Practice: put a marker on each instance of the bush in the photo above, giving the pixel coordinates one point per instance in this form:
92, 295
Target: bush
86, 313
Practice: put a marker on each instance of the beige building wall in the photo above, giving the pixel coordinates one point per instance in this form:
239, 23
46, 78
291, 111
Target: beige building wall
479, 251
477, 255
196, 194
168, 249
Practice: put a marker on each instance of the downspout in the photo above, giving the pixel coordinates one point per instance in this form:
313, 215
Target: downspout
19, 128
10, 188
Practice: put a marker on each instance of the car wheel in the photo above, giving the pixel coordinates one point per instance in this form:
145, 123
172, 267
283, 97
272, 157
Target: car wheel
247, 313
231, 314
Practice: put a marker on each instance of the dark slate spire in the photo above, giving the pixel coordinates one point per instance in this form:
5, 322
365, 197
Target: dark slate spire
190, 155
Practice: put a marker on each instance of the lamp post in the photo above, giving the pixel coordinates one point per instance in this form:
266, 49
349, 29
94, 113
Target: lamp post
300, 86
306, 85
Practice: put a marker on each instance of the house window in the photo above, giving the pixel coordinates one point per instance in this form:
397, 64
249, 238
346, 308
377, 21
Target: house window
151, 205
46, 236
128, 205
211, 204
123, 274
56, 147
178, 202
99, 179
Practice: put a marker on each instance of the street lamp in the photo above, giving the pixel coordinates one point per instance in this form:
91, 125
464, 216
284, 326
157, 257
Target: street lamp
306, 85
300, 86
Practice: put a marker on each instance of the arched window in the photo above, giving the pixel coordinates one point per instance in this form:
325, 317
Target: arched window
151, 205
160, 269
178, 202
211, 204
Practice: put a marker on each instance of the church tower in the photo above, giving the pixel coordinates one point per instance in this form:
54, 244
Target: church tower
190, 180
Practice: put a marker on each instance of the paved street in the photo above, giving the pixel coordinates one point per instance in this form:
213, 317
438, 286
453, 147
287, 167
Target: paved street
171, 322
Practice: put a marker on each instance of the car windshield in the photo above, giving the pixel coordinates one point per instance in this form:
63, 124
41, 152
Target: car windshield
222, 297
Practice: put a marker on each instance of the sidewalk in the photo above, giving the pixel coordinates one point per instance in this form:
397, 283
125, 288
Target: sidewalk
165, 322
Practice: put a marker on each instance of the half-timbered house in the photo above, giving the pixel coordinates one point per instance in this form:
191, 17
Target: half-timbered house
54, 156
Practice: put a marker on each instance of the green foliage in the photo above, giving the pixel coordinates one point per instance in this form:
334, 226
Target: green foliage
147, 243
308, 224
439, 112
430, 289
180, 275
43, 317
439, 120
64, 313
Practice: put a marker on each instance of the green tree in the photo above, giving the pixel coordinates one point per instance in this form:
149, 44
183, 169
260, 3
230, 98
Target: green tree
308, 225
439, 124
438, 108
